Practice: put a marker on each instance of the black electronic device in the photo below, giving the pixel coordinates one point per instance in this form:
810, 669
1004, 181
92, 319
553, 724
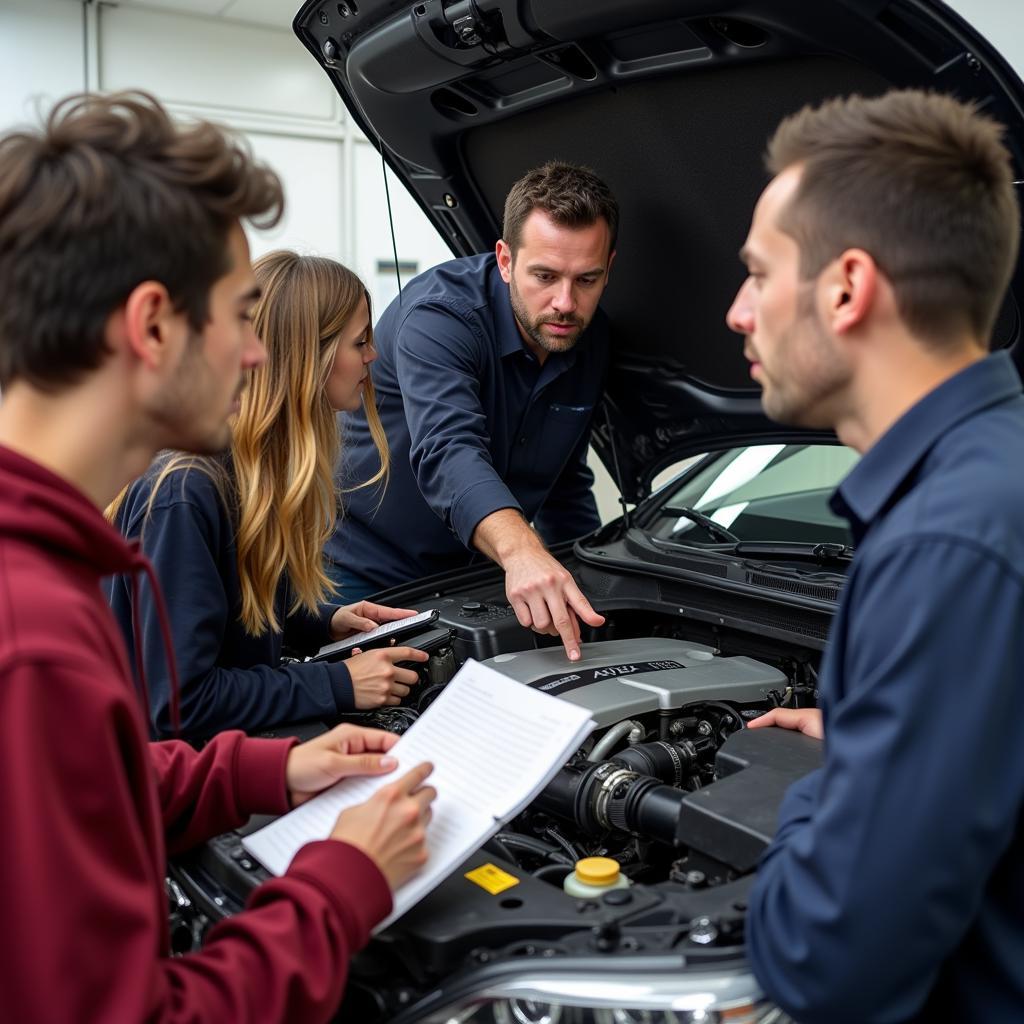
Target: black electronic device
384, 635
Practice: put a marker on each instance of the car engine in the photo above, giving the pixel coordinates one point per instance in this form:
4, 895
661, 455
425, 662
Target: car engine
671, 718
671, 784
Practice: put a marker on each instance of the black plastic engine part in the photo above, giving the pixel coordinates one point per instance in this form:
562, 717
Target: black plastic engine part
730, 821
734, 819
670, 762
605, 795
483, 626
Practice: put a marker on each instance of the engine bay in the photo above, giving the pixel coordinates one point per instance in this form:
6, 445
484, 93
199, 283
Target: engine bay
671, 784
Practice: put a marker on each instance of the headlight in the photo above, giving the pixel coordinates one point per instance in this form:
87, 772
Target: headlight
679, 997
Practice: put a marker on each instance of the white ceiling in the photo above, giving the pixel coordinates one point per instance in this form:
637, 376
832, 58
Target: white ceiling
271, 13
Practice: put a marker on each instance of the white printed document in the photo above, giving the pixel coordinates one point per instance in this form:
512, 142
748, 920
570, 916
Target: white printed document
494, 743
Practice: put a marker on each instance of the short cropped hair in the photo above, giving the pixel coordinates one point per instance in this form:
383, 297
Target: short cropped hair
109, 193
920, 181
573, 197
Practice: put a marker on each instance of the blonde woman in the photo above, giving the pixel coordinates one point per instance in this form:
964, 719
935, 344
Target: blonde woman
237, 538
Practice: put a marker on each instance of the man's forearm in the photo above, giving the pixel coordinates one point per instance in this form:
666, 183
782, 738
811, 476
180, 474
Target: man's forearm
503, 534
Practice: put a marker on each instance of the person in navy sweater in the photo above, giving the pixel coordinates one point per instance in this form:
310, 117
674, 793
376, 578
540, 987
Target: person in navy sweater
124, 330
237, 538
491, 369
878, 258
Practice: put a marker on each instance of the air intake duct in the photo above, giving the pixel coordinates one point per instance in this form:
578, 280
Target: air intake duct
626, 794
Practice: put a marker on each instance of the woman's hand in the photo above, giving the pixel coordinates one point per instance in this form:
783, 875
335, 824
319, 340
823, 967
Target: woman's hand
377, 680
363, 616
344, 751
391, 827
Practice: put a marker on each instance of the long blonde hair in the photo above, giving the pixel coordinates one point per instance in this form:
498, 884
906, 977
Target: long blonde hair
285, 445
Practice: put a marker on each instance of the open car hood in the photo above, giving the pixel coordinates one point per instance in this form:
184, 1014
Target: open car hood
671, 102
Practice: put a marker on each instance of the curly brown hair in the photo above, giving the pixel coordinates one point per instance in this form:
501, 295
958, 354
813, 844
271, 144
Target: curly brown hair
572, 196
108, 194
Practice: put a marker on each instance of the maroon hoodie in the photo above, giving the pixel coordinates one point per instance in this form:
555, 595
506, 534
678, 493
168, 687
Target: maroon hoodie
88, 809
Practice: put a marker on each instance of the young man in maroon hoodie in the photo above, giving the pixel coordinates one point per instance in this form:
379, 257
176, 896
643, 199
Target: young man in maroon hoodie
125, 290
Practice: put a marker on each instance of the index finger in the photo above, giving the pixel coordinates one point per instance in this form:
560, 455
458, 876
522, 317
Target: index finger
582, 606
784, 718
768, 718
370, 740
563, 618
413, 779
384, 613
406, 654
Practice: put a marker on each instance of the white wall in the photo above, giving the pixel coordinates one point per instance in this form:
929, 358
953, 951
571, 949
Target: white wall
42, 56
253, 76
1001, 22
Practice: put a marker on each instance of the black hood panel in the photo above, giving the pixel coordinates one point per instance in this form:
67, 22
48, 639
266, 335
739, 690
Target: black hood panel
682, 155
672, 102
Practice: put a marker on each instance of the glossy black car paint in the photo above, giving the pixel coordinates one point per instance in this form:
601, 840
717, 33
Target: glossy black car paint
672, 102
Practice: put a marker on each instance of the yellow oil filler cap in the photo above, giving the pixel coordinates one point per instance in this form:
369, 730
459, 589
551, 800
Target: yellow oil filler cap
597, 870
593, 876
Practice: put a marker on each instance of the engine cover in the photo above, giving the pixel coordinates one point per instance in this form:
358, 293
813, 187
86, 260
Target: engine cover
617, 679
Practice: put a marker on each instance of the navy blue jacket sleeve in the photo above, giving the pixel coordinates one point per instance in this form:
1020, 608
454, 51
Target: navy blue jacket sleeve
881, 857
570, 509
437, 359
185, 541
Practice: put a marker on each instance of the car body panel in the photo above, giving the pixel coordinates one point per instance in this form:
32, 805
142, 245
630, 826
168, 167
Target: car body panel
672, 104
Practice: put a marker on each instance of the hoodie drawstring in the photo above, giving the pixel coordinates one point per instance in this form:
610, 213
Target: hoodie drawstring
143, 564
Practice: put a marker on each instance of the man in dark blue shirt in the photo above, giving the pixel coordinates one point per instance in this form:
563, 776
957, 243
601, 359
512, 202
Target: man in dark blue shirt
878, 257
489, 371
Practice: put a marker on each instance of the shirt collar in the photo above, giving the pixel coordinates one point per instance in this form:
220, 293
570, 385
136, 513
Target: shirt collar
885, 467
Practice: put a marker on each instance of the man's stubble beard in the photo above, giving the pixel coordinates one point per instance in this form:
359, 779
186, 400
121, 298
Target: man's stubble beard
183, 405
809, 400
533, 329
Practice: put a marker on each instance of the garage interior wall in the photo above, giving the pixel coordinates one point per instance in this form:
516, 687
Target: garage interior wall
252, 75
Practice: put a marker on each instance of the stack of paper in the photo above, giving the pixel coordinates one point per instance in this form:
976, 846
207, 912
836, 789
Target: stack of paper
494, 744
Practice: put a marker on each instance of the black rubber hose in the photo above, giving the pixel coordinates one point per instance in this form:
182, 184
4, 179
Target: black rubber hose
547, 873
556, 837
536, 846
496, 846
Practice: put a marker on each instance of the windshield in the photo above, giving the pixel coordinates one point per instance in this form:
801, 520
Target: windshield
772, 493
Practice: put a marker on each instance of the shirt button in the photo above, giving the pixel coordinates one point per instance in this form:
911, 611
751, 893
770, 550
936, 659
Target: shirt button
522, 440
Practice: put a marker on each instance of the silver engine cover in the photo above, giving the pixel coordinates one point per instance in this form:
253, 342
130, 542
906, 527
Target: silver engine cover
618, 679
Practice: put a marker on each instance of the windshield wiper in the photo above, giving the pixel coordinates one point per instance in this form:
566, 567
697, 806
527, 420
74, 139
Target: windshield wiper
715, 529
824, 553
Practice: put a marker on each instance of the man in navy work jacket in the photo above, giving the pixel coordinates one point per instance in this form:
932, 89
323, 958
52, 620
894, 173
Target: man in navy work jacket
488, 373
878, 257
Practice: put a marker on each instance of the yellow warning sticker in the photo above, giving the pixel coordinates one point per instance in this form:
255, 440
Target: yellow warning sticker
492, 878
